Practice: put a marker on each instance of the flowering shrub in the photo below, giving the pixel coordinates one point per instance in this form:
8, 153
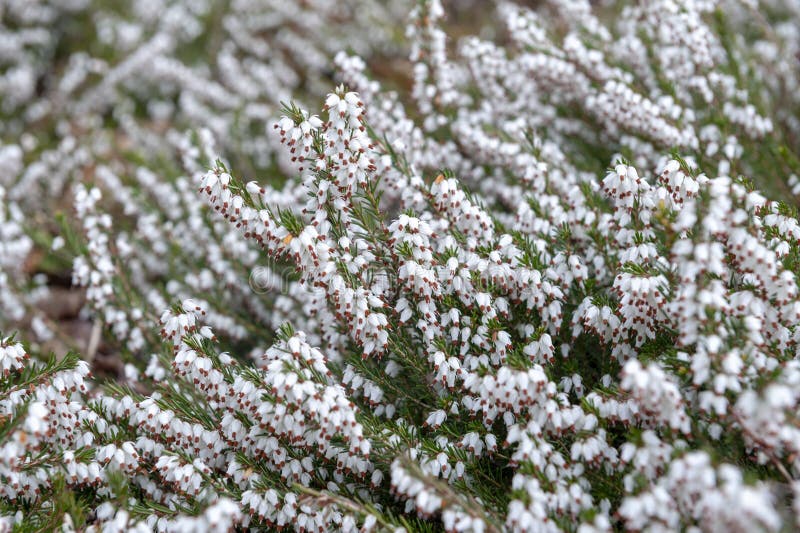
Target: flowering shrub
532, 287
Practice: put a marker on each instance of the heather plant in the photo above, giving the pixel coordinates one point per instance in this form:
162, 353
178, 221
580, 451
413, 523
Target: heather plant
543, 277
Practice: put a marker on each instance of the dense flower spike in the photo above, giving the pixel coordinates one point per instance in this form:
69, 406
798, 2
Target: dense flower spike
536, 287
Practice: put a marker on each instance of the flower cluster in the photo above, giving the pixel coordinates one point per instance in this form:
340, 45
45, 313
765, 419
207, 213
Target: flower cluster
542, 277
